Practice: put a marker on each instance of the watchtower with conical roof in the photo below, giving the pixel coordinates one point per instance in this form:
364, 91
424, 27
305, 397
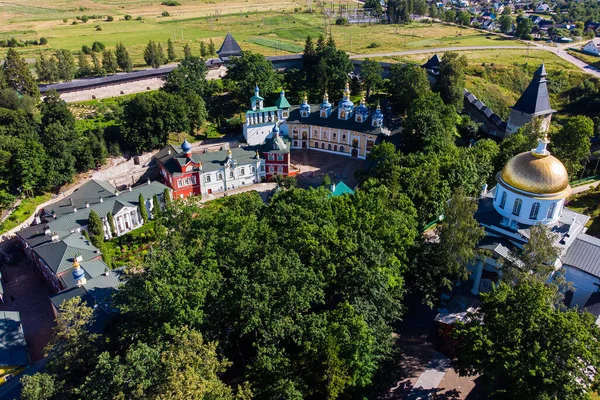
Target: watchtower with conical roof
229, 48
533, 103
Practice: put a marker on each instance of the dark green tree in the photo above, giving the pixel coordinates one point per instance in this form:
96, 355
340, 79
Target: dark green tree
143, 209
171, 56
188, 77
248, 71
187, 51
73, 348
370, 72
572, 143
524, 27
109, 62
374, 5
95, 226
203, 50
211, 48
83, 66
167, 197
506, 23
66, 65
529, 362
156, 211
39, 386
17, 76
97, 66
154, 55
451, 81
123, 59
46, 68
430, 123
111, 223
407, 83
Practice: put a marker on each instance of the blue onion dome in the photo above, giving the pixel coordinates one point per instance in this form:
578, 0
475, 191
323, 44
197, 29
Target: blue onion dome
378, 113
346, 102
325, 103
305, 106
256, 89
78, 272
186, 146
362, 108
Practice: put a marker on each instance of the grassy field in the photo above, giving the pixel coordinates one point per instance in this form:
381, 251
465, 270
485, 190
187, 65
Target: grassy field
23, 211
588, 203
270, 28
586, 58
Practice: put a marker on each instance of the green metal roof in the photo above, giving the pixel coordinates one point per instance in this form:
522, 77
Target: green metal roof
282, 102
70, 220
263, 109
59, 256
341, 189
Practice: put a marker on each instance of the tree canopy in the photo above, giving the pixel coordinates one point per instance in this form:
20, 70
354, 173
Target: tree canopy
527, 348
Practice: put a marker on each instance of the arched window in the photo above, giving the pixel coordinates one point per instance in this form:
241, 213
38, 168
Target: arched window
503, 200
317, 145
551, 211
323, 145
329, 146
295, 143
535, 208
335, 148
517, 207
342, 149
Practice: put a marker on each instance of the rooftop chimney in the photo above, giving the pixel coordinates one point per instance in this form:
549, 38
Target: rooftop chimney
101, 200
70, 202
87, 204
74, 209
54, 237
130, 188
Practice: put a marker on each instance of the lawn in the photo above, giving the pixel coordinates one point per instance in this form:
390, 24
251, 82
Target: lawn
365, 39
588, 203
132, 247
23, 211
593, 61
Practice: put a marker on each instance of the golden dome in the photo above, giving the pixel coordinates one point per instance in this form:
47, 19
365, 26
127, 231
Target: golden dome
536, 173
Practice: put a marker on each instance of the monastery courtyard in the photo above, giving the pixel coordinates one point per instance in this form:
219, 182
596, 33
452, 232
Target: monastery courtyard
313, 165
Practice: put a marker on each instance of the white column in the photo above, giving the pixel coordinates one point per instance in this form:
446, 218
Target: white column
477, 277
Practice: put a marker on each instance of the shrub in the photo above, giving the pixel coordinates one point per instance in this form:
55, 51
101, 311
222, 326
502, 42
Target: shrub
74, 23
43, 41
341, 21
98, 28
12, 42
165, 14
127, 17
85, 49
170, 3
84, 18
2, 43
373, 45
110, 18
139, 18
97, 47
65, 20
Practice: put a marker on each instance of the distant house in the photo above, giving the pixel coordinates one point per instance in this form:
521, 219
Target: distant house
488, 15
592, 47
542, 8
14, 354
593, 26
535, 19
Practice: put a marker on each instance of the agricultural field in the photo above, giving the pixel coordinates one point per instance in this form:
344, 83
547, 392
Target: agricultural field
270, 28
498, 77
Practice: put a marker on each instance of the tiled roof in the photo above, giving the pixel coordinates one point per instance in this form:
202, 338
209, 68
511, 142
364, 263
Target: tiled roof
584, 254
314, 118
13, 347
